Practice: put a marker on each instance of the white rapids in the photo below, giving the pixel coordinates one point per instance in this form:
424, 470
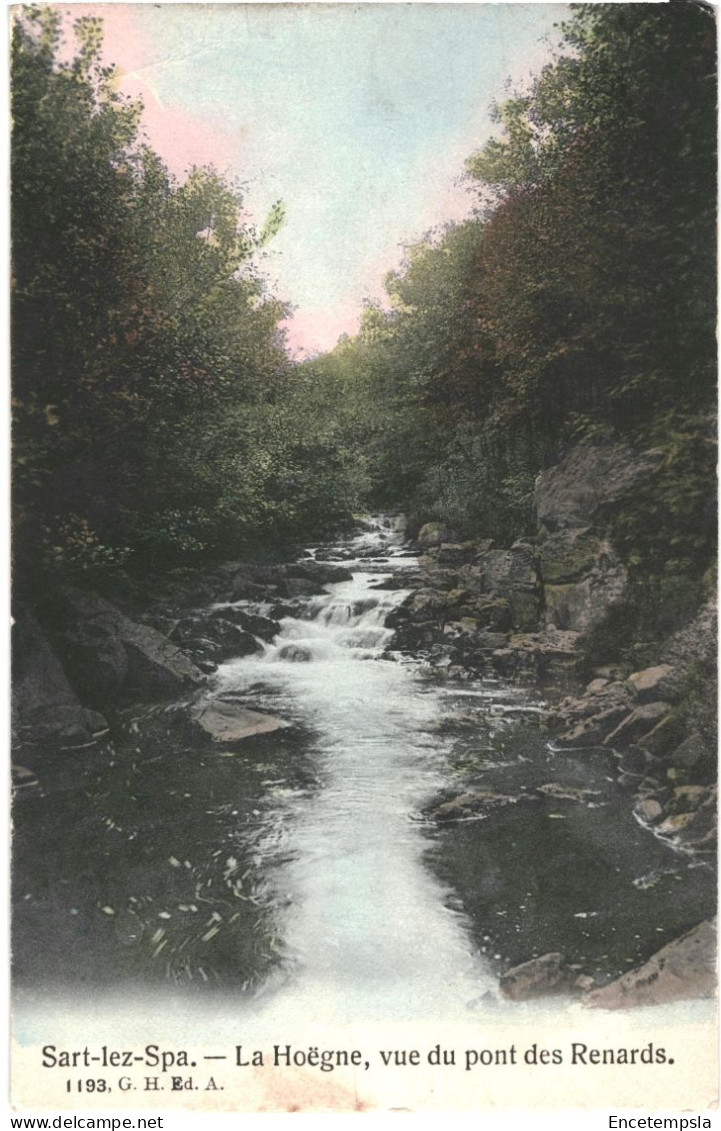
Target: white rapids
366, 921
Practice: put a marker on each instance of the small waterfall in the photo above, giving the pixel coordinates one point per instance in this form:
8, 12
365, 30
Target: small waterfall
348, 618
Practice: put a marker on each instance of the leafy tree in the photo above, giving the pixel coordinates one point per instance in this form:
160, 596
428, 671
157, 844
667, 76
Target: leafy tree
156, 413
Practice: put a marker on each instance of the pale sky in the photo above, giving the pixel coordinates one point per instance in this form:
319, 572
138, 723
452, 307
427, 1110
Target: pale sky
359, 117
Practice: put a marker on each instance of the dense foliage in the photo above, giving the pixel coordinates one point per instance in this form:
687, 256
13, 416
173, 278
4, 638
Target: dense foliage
580, 299
157, 413
155, 410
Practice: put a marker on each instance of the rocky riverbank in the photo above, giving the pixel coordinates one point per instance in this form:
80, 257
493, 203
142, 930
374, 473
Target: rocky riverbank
529, 612
533, 612
79, 658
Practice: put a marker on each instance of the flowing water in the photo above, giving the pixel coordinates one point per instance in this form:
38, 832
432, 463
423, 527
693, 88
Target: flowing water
365, 914
301, 865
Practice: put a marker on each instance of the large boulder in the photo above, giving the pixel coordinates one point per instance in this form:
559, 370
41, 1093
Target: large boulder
322, 573
264, 627
432, 534
685, 968
664, 738
214, 637
507, 570
539, 977
582, 604
577, 492
95, 632
427, 604
45, 709
511, 574
692, 754
651, 683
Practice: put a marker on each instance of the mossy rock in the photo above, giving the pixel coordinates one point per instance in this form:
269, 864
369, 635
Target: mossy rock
567, 555
524, 609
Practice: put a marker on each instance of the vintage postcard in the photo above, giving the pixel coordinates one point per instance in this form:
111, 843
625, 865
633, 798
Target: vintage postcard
364, 582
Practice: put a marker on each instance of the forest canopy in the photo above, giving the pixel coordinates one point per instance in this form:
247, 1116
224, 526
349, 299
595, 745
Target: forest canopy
156, 412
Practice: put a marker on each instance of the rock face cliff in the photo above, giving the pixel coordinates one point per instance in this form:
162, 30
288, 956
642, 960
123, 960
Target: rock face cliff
533, 610
527, 606
581, 573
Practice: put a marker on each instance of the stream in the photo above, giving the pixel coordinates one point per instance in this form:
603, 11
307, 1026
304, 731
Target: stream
304, 865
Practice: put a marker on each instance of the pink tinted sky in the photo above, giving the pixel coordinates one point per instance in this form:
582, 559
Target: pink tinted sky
180, 137
358, 116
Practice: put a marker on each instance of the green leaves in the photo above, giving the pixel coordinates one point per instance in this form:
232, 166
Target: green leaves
273, 223
148, 369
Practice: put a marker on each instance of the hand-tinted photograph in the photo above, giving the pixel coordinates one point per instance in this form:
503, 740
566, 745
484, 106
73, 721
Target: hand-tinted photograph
364, 574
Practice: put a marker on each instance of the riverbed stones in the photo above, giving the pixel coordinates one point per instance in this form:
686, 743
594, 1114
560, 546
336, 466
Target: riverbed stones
323, 573
215, 638
410, 637
295, 654
488, 641
648, 810
691, 829
559, 791
395, 582
242, 587
228, 722
651, 683
479, 802
592, 731
664, 737
640, 721
693, 753
263, 627
597, 685
432, 578
686, 799
550, 653
299, 587
681, 970
291, 579
539, 977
